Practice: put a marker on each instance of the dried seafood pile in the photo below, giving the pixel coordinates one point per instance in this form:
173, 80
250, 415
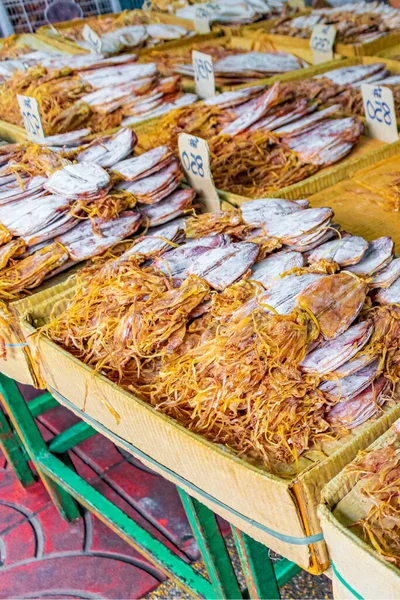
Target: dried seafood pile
233, 12
379, 471
264, 139
92, 91
128, 30
245, 67
265, 329
347, 81
55, 212
355, 23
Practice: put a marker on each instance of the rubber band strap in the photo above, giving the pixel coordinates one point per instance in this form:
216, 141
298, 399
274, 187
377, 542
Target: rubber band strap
21, 345
345, 584
296, 541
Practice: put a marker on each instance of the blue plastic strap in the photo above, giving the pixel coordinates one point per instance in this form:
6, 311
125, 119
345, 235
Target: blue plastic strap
21, 345
346, 585
297, 541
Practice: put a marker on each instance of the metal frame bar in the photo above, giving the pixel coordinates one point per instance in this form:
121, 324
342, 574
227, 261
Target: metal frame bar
64, 485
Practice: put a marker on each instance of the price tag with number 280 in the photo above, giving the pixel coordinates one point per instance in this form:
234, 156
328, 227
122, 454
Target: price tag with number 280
321, 43
195, 158
31, 117
380, 112
203, 74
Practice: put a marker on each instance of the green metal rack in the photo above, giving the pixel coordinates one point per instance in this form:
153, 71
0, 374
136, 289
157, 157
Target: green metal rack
22, 442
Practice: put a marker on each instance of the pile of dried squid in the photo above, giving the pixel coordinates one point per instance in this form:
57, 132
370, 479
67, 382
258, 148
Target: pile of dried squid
266, 328
127, 30
261, 139
355, 23
232, 66
58, 209
379, 471
92, 91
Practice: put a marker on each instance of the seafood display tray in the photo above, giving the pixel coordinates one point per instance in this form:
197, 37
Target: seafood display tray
303, 45
242, 39
277, 511
367, 152
42, 43
357, 570
56, 31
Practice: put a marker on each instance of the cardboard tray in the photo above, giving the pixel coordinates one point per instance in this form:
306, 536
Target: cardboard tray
279, 512
18, 363
365, 204
364, 49
366, 153
358, 571
36, 42
59, 30
241, 40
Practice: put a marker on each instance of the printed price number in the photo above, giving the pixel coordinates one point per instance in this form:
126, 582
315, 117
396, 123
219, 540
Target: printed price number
194, 164
203, 69
203, 74
321, 43
380, 112
92, 39
195, 159
31, 116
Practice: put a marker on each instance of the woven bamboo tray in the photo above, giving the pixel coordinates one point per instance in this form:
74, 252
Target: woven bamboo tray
277, 511
59, 31
363, 49
358, 571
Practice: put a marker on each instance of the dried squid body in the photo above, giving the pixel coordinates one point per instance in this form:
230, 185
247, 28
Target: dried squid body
173, 206
221, 267
79, 181
350, 413
108, 151
331, 354
82, 243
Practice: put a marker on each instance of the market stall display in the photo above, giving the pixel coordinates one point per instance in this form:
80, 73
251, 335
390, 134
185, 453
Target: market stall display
91, 91
354, 23
240, 49
231, 12
57, 212
359, 516
130, 30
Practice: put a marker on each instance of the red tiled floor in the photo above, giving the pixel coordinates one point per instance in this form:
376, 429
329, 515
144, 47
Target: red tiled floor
43, 556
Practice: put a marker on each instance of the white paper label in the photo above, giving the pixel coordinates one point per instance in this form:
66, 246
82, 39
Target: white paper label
321, 42
31, 117
92, 39
203, 74
195, 158
202, 23
380, 112
203, 16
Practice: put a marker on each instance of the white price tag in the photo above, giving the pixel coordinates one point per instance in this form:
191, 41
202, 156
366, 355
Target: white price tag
195, 158
321, 42
203, 74
92, 39
29, 108
380, 112
203, 16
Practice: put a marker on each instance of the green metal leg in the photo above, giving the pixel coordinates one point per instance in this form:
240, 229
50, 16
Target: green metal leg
212, 547
64, 484
15, 452
257, 567
26, 427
